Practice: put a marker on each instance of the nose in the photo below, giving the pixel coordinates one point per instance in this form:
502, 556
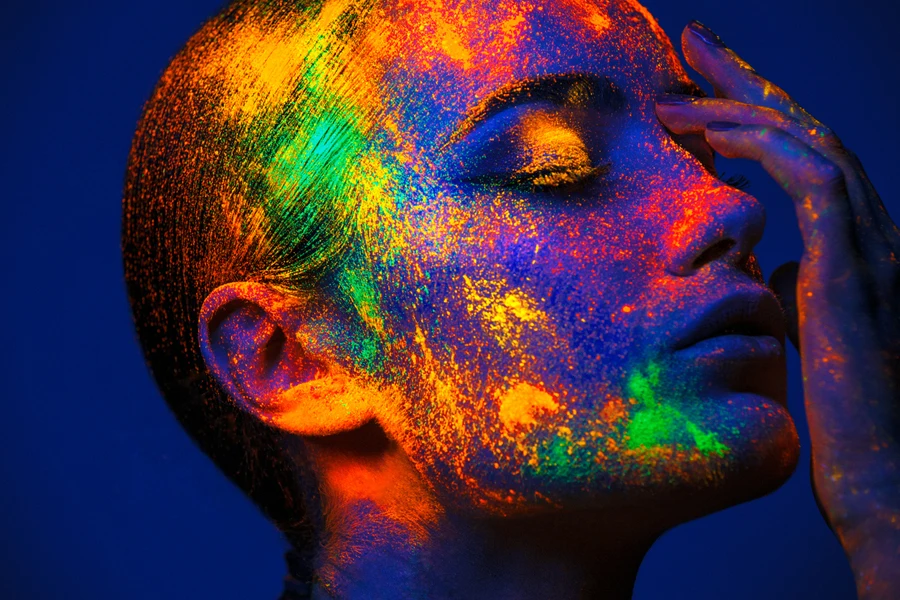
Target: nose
712, 223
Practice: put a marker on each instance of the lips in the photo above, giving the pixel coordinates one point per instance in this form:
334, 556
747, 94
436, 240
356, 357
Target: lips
751, 314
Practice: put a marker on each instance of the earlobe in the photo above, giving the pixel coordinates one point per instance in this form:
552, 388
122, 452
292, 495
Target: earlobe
248, 334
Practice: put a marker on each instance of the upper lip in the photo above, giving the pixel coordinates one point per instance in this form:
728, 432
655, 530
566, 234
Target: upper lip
742, 313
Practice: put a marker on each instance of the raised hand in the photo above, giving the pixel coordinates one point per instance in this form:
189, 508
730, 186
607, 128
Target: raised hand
846, 293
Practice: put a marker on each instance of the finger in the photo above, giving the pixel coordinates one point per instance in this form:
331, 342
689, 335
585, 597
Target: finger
860, 187
731, 76
783, 282
690, 114
815, 184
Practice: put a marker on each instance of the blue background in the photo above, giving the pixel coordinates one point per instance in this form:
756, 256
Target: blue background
103, 496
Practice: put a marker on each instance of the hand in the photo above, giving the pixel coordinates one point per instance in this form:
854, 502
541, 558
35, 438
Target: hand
845, 291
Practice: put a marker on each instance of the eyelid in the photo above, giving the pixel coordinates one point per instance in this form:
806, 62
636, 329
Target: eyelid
496, 125
534, 145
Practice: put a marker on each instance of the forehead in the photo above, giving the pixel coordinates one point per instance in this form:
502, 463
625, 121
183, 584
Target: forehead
444, 57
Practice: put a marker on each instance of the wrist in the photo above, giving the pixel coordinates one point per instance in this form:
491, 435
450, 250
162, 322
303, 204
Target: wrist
873, 549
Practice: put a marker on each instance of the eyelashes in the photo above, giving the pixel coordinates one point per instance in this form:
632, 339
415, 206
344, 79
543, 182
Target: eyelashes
554, 162
549, 179
738, 182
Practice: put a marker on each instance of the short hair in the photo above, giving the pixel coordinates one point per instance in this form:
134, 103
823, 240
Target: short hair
246, 166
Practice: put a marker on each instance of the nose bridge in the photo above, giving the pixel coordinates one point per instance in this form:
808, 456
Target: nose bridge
712, 221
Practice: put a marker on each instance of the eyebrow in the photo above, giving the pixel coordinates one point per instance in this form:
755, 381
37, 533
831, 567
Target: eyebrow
576, 89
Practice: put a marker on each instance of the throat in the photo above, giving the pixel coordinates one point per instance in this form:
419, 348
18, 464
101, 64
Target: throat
383, 534
516, 559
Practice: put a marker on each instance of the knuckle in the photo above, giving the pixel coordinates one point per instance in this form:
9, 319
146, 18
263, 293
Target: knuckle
825, 138
769, 135
830, 177
831, 141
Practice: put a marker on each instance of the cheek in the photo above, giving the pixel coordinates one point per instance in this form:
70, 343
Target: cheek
515, 350
512, 287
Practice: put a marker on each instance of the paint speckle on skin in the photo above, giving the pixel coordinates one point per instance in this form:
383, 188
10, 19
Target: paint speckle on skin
521, 406
592, 15
507, 313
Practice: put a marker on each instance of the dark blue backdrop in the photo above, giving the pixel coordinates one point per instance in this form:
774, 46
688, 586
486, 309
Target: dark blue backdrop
103, 496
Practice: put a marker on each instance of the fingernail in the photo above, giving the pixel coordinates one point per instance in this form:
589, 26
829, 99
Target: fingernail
677, 99
705, 34
721, 126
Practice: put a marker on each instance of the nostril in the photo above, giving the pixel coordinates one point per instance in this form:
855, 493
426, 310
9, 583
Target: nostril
717, 250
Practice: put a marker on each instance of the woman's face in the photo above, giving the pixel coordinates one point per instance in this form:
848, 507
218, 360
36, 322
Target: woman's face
544, 256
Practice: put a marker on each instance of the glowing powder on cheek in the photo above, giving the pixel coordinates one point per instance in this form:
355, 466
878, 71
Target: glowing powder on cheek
507, 314
656, 423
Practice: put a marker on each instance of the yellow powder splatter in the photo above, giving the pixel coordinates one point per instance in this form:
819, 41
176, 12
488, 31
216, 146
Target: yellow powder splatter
452, 44
262, 70
267, 60
517, 306
506, 313
520, 406
451, 33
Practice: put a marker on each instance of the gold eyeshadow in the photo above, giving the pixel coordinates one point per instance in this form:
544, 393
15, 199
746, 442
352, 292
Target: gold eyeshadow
553, 153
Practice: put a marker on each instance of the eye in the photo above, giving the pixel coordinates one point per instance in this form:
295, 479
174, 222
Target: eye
553, 156
537, 152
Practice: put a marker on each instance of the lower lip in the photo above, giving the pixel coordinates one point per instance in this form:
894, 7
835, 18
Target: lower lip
731, 348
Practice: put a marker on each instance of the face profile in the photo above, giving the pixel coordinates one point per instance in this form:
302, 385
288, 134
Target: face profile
532, 335
414, 274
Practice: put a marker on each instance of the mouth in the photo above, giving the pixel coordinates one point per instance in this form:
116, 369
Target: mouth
742, 324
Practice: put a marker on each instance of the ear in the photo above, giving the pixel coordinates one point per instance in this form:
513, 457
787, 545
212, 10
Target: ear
250, 340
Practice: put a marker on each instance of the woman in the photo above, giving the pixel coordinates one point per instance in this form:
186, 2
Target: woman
453, 292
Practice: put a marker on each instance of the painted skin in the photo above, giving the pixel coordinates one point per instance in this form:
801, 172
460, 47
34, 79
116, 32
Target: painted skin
534, 301
529, 332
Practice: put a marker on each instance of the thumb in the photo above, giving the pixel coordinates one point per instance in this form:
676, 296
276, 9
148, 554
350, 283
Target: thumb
784, 283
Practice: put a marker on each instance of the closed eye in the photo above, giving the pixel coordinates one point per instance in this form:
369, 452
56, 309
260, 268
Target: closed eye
545, 180
541, 152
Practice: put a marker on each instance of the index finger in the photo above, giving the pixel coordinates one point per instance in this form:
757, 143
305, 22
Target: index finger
731, 76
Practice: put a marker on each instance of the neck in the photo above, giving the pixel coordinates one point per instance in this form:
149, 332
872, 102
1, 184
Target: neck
385, 536
520, 560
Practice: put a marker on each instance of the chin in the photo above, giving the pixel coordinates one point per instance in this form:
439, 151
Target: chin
763, 449
717, 433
